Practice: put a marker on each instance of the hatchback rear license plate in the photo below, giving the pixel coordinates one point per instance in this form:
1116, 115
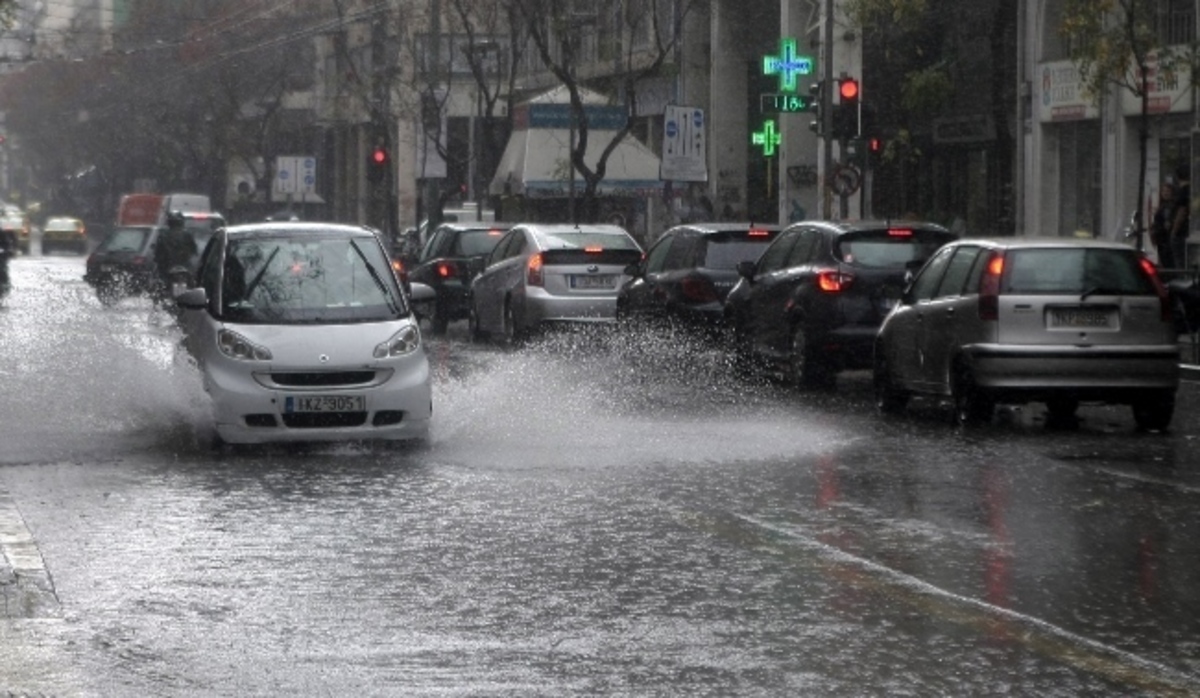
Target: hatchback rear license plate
1081, 317
606, 281
324, 403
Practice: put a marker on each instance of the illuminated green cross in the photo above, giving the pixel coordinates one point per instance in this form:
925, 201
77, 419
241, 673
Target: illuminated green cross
787, 65
768, 138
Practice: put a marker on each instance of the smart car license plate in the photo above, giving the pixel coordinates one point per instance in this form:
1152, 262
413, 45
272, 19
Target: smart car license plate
1081, 318
324, 403
604, 281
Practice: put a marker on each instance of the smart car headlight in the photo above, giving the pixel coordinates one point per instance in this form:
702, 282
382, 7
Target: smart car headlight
235, 346
406, 341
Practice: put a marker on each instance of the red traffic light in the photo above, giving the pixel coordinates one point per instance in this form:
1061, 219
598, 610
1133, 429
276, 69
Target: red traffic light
379, 156
876, 145
848, 89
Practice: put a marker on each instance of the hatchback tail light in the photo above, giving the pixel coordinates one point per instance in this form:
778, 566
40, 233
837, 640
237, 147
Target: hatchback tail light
533, 271
697, 289
447, 270
1164, 299
989, 288
833, 281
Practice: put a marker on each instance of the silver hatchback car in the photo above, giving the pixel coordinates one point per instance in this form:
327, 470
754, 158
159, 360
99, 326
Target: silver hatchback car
540, 274
302, 333
1014, 320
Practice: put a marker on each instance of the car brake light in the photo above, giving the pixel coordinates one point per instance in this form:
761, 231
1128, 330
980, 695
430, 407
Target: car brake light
446, 270
398, 266
698, 289
989, 288
900, 232
593, 249
495, 233
533, 276
759, 233
1164, 300
833, 281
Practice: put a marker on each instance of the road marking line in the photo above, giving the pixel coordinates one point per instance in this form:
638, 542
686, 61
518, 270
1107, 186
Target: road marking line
1110, 661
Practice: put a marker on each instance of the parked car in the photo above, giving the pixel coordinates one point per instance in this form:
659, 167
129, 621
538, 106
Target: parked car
64, 233
202, 225
541, 274
1059, 321
687, 273
813, 302
14, 225
454, 254
302, 333
123, 263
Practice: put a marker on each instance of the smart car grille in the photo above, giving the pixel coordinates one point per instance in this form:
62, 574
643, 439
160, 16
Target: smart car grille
319, 420
323, 379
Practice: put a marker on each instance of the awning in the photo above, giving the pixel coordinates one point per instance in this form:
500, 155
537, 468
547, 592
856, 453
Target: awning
536, 161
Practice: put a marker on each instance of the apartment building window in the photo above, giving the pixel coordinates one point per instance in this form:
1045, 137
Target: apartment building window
1177, 22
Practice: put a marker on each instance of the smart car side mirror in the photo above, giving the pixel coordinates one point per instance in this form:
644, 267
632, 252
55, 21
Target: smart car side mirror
420, 293
193, 299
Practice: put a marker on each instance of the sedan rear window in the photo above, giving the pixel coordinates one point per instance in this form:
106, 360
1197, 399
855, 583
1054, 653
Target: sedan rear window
1048, 271
889, 247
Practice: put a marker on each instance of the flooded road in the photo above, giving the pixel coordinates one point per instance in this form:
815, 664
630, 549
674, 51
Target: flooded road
591, 517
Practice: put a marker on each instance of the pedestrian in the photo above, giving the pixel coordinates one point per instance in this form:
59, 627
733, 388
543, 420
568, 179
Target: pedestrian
1181, 217
175, 247
1160, 224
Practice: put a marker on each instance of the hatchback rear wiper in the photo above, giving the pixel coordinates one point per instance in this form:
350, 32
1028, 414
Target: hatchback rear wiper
1100, 289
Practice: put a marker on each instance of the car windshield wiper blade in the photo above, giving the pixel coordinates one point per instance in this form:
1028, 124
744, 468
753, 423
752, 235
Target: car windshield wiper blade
1094, 290
258, 277
391, 301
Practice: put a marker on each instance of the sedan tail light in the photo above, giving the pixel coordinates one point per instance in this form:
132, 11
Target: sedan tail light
533, 271
833, 281
989, 288
697, 289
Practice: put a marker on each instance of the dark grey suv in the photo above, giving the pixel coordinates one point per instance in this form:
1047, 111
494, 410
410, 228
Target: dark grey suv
813, 301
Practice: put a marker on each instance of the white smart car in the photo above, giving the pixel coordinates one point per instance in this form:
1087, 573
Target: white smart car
303, 333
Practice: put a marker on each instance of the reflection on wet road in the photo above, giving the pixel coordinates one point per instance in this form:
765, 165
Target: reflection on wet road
591, 517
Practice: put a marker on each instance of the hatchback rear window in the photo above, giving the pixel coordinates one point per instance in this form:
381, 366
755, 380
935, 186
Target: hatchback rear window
1049, 271
475, 243
726, 251
889, 247
125, 240
584, 238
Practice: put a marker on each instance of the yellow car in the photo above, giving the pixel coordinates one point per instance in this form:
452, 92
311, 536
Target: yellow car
64, 233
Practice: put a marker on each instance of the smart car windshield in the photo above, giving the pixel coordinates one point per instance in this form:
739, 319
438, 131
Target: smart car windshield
307, 279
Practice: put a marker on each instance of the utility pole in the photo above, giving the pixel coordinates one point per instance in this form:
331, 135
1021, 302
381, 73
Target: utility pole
432, 192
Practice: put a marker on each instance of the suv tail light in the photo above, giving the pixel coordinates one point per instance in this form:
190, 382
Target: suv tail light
697, 289
533, 271
989, 288
833, 281
1164, 300
447, 270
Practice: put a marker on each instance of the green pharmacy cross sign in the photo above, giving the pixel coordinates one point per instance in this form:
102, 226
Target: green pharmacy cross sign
768, 138
787, 65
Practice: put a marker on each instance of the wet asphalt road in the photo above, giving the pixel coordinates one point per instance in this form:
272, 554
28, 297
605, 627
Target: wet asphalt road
591, 517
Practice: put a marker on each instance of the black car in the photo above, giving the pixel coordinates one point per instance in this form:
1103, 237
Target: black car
123, 263
813, 302
453, 255
687, 273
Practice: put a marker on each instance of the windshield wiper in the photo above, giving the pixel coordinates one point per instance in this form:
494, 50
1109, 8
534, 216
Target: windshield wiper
387, 294
258, 277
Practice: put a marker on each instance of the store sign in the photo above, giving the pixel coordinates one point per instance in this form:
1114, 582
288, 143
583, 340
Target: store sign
1062, 95
1167, 89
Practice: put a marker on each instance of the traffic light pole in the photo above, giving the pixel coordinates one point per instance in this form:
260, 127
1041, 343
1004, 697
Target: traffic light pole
827, 112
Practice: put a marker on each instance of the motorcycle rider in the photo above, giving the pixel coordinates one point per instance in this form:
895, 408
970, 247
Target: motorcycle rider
173, 250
